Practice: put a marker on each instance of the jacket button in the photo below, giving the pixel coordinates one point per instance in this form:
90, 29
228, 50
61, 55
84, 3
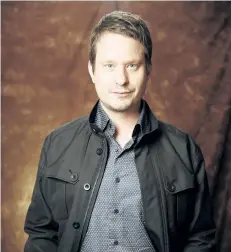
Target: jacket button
171, 187
86, 187
99, 151
74, 177
76, 225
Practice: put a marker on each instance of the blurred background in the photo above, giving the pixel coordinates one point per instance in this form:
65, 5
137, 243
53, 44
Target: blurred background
45, 83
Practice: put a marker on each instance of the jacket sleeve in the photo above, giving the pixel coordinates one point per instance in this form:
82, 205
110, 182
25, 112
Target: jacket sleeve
39, 225
202, 229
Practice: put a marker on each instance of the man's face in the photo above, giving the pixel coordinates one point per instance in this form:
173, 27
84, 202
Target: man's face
120, 75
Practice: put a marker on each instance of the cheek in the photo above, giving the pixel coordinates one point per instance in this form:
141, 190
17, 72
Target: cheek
101, 85
104, 81
139, 83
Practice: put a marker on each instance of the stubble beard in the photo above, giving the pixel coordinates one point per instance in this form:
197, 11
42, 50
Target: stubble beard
120, 109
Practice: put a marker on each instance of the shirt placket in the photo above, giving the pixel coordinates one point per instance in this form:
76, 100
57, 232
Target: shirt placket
115, 210
116, 234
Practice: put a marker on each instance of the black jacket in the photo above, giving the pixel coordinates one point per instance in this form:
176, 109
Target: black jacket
173, 181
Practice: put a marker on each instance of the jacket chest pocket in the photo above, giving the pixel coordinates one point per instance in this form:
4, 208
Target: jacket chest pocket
180, 202
60, 192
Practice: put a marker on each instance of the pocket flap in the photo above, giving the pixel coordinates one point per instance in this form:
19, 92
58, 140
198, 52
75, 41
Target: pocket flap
59, 172
185, 182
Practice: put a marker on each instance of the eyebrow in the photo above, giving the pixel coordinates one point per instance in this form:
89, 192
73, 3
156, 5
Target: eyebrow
132, 61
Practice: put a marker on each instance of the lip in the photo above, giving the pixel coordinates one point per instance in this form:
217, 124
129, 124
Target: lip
121, 92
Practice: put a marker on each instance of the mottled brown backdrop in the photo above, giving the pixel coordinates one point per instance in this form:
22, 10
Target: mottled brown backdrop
45, 83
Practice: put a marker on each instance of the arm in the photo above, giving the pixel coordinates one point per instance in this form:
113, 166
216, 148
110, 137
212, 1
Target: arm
202, 229
39, 225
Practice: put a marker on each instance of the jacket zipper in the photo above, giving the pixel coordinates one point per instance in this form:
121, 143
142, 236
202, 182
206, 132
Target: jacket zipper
87, 214
162, 204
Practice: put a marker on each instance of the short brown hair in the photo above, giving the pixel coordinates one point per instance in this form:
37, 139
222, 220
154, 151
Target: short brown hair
126, 24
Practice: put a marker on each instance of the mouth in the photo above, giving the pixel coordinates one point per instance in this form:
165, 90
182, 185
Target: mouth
122, 93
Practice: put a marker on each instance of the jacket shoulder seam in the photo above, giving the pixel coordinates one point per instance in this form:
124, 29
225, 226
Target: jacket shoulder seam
170, 128
68, 126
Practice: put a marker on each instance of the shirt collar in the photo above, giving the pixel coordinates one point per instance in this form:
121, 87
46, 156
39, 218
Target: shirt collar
142, 127
102, 119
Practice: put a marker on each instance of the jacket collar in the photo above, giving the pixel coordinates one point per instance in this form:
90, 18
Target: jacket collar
153, 122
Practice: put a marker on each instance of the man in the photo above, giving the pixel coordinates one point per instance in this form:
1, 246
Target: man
120, 180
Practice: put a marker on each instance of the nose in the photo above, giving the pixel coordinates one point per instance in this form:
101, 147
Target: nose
121, 76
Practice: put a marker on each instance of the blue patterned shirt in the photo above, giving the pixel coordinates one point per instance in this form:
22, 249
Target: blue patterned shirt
117, 221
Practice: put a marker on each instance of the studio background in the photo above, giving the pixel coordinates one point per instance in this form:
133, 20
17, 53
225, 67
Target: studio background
45, 83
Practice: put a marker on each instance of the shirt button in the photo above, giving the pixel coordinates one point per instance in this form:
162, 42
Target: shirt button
76, 225
116, 242
117, 180
99, 151
116, 211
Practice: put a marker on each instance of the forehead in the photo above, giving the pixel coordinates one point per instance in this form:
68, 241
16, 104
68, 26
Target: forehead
117, 47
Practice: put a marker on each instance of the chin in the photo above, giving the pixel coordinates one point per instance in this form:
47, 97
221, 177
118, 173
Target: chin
122, 108
117, 107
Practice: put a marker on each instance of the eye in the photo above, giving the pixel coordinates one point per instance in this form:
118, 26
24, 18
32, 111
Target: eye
132, 66
109, 66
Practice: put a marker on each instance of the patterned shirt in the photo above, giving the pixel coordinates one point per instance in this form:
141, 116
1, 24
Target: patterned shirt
117, 221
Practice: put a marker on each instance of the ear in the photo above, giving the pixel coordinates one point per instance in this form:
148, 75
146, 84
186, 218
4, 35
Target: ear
149, 73
90, 70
